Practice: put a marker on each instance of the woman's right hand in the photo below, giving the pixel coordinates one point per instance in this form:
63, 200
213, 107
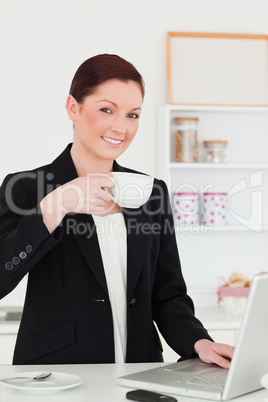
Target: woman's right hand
85, 195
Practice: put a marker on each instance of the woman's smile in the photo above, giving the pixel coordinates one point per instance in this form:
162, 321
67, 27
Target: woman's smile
112, 141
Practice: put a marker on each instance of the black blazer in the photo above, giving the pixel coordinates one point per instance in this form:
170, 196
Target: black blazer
67, 314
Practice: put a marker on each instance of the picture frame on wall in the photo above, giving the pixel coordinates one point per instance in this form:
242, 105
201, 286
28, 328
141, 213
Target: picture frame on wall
217, 69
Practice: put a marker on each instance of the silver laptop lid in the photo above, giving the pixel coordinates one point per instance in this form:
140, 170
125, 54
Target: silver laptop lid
250, 360
249, 363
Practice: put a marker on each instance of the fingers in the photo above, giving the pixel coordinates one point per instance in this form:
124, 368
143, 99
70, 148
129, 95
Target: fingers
223, 354
97, 195
86, 194
99, 190
223, 350
212, 352
105, 182
220, 360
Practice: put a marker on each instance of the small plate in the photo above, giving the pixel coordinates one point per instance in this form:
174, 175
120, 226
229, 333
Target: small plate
264, 381
56, 382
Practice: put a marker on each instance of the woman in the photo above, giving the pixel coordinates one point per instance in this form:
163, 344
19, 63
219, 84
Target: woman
81, 306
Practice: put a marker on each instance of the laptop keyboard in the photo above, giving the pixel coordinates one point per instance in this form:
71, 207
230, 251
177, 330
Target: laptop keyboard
213, 380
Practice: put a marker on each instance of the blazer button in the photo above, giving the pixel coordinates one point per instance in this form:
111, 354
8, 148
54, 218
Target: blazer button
15, 260
8, 266
133, 304
22, 255
29, 249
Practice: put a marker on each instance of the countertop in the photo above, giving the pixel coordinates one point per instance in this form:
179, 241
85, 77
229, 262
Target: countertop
99, 384
213, 318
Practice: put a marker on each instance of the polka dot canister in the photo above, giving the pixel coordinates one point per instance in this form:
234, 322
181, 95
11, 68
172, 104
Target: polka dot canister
215, 209
186, 208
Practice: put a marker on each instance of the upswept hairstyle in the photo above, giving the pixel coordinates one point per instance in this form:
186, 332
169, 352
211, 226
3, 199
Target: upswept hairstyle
98, 69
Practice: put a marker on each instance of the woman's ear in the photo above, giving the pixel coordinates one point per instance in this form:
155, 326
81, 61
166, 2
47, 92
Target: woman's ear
72, 107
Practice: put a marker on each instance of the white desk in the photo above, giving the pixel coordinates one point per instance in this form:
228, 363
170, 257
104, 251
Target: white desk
99, 384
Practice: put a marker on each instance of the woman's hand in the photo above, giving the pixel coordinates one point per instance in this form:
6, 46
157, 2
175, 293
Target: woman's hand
85, 195
212, 352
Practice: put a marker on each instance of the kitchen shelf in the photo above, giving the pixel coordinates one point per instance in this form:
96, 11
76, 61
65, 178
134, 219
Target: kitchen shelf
199, 108
244, 127
219, 250
202, 229
231, 166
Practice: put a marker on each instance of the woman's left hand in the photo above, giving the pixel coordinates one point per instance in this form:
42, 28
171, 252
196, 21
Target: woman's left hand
212, 352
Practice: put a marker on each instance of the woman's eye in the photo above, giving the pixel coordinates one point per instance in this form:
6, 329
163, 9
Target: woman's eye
106, 110
133, 115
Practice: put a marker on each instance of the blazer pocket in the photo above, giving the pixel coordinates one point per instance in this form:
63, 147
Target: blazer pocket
47, 341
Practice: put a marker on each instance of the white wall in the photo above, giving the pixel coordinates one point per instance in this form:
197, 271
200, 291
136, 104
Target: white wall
43, 43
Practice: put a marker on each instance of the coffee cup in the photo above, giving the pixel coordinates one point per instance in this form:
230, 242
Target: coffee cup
131, 190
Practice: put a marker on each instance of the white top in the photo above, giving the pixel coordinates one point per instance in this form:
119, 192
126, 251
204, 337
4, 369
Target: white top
111, 231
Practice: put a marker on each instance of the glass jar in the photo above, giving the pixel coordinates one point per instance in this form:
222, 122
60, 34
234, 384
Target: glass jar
216, 151
186, 144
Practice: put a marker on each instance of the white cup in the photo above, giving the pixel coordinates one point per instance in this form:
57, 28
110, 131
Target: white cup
131, 190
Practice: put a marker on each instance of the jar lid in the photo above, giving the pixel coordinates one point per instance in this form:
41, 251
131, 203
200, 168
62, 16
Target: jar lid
215, 193
185, 193
215, 142
178, 119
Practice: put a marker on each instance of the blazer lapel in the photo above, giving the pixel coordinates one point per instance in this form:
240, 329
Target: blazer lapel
64, 171
89, 246
137, 240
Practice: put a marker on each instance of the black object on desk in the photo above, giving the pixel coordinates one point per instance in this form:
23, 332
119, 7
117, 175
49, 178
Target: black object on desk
148, 396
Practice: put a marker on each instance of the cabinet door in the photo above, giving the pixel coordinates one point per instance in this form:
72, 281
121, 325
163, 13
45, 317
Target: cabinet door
7, 344
224, 336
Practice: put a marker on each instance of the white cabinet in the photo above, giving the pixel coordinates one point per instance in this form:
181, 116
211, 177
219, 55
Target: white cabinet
8, 335
210, 252
7, 344
224, 336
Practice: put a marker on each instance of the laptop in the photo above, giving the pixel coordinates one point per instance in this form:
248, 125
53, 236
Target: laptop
197, 379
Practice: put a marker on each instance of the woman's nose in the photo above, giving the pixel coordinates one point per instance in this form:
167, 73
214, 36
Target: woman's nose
119, 125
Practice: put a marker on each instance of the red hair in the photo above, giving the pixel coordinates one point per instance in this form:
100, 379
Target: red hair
101, 68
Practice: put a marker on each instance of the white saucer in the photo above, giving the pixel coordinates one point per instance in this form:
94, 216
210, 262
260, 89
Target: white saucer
56, 382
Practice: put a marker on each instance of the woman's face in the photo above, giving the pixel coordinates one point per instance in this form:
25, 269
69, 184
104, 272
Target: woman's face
107, 121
